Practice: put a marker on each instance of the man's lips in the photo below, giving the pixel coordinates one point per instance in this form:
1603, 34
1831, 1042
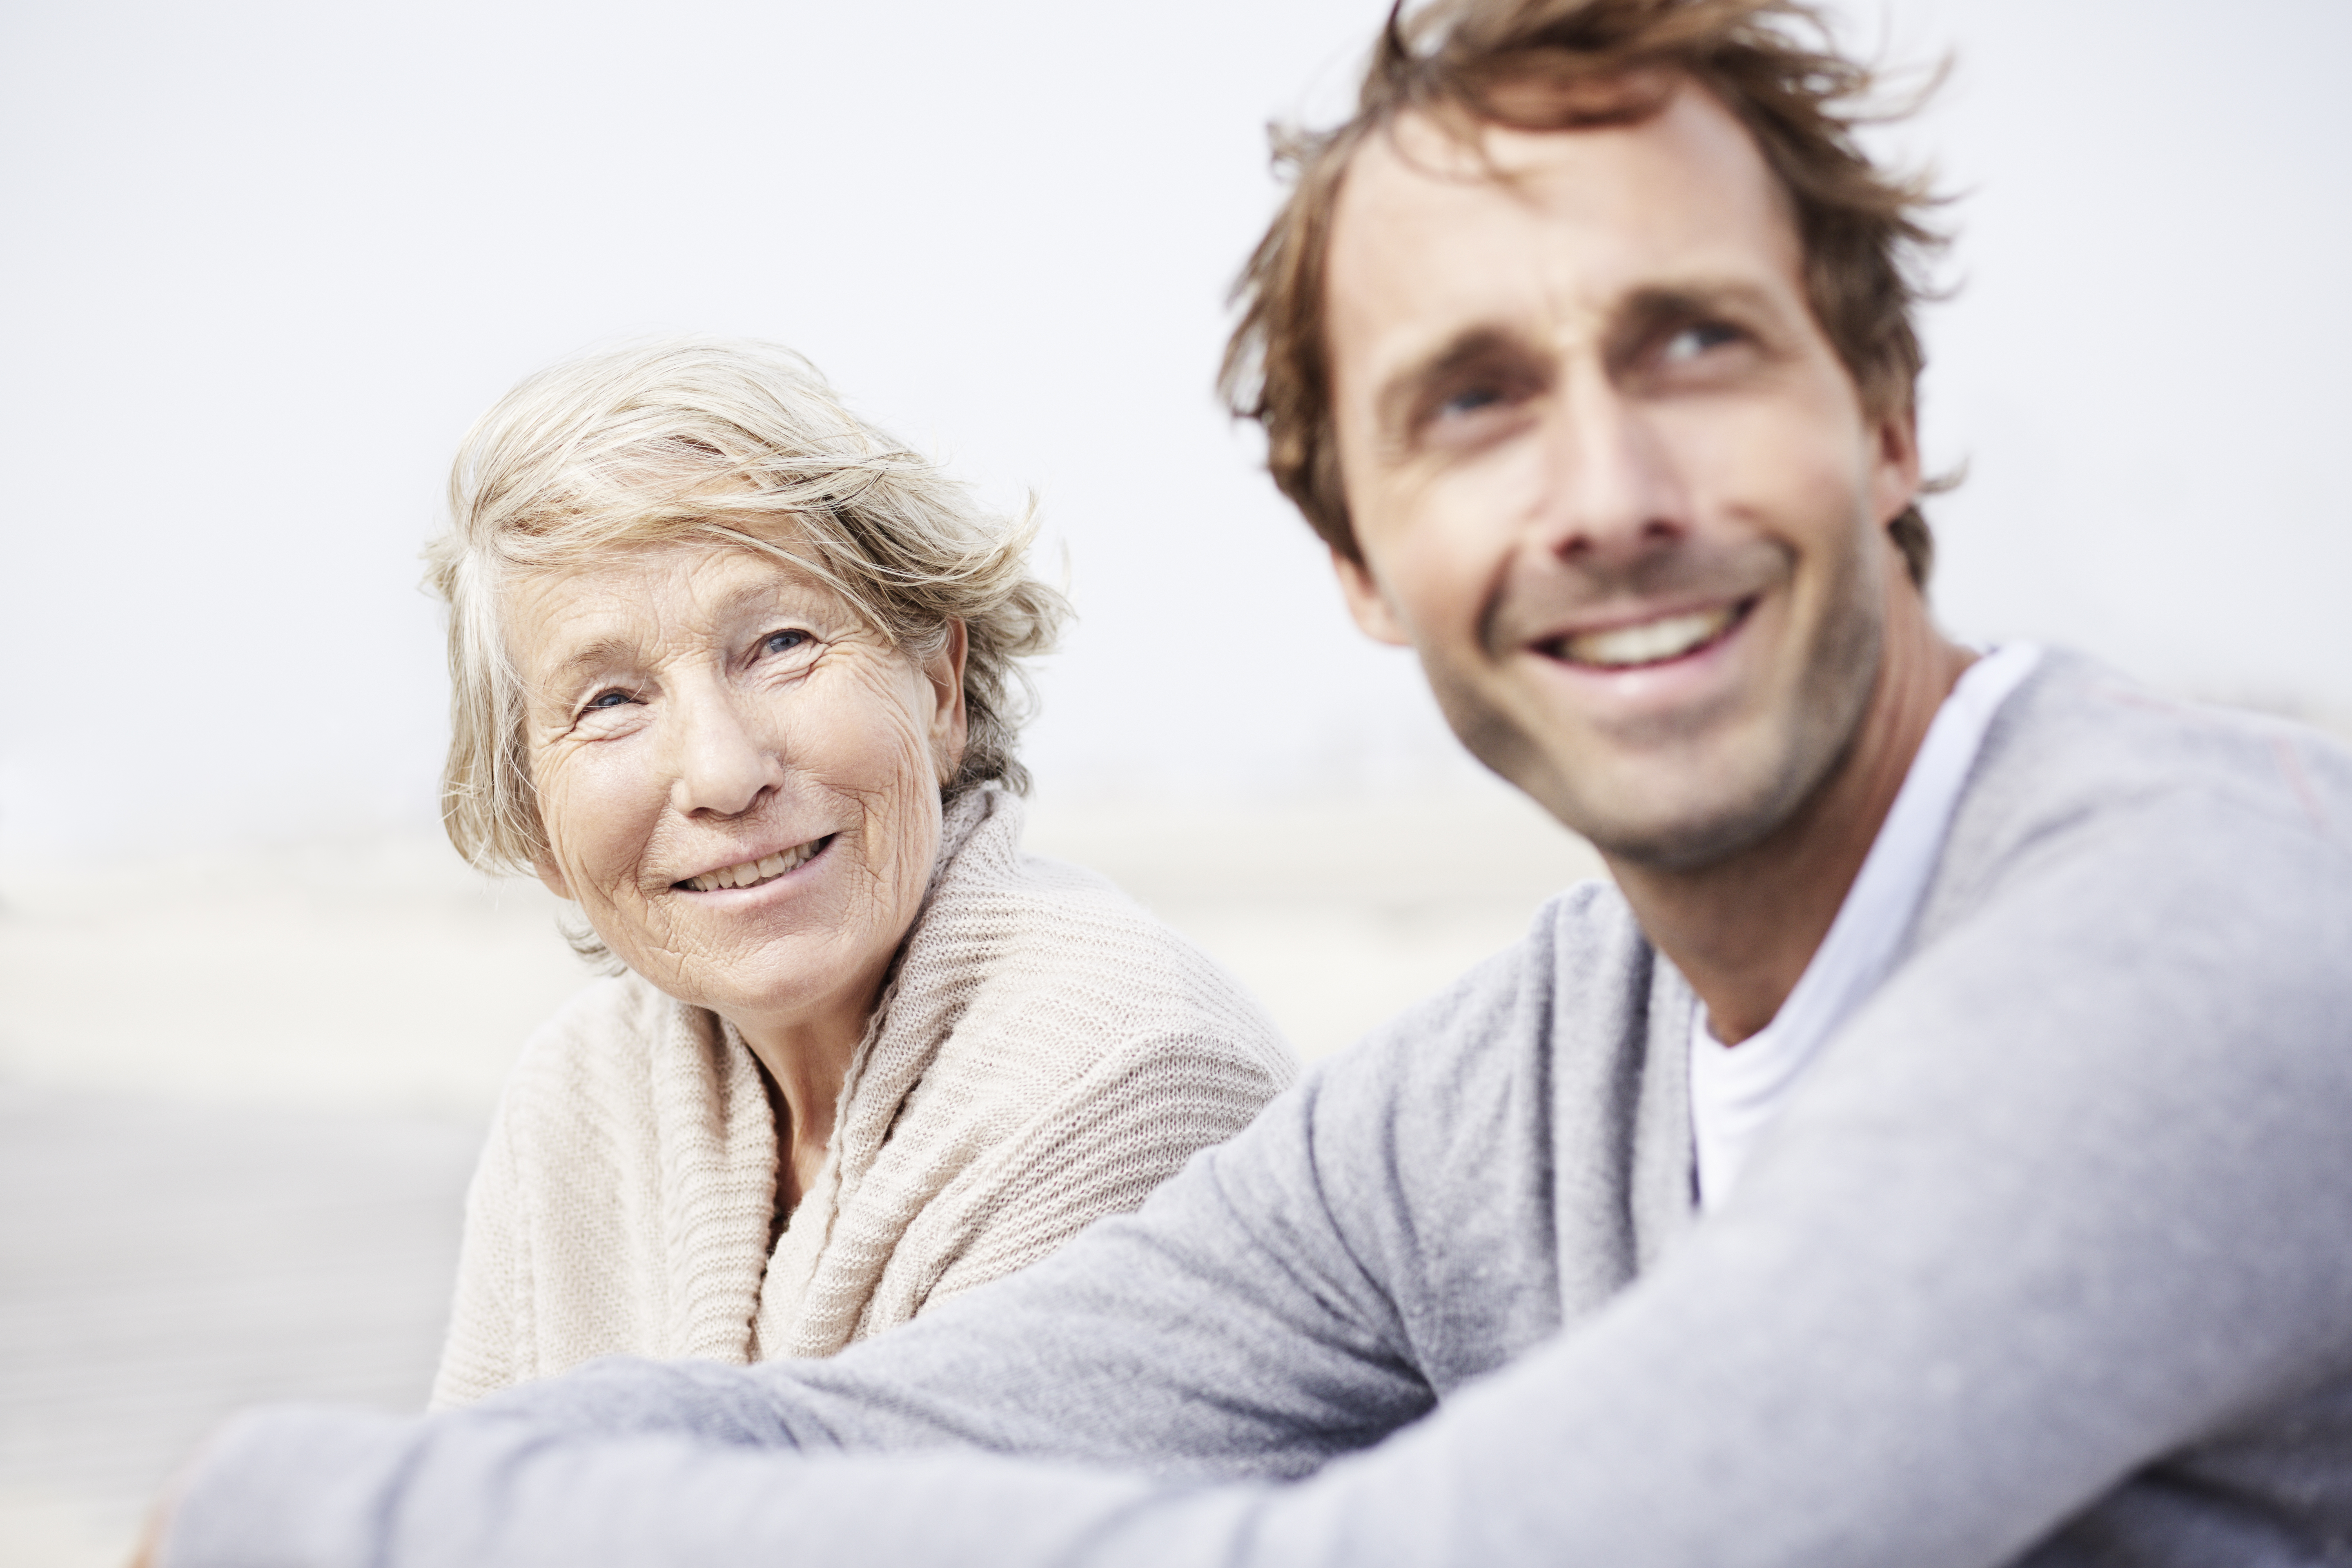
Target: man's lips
752, 873
1635, 645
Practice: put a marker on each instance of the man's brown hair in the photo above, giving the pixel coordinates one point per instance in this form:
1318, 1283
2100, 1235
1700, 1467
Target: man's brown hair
1544, 65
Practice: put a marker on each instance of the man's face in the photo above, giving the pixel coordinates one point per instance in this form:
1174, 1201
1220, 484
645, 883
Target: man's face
1607, 473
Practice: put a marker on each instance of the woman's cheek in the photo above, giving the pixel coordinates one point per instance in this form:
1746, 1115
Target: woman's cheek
591, 818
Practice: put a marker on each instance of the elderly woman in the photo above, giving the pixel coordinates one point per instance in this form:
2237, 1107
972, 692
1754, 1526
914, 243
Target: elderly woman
740, 679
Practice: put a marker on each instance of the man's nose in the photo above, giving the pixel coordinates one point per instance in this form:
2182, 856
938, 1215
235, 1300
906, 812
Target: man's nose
721, 763
1613, 495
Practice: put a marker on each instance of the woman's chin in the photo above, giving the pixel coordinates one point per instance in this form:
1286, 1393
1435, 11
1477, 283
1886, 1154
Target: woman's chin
813, 901
764, 955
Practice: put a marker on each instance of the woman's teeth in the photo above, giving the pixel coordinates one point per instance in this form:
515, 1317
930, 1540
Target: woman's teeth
752, 871
1668, 636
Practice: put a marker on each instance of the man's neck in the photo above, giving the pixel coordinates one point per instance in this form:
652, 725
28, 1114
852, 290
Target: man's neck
1742, 930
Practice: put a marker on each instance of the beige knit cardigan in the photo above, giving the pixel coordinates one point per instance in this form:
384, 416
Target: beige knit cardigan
1045, 1053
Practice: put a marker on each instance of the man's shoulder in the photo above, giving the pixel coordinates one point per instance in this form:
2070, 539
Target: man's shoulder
1579, 980
2082, 758
2080, 724
1518, 1114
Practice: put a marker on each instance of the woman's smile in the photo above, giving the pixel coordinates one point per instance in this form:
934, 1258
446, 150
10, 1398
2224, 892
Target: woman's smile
758, 872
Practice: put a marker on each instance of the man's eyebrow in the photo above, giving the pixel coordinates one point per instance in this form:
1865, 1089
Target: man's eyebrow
1645, 309
1398, 405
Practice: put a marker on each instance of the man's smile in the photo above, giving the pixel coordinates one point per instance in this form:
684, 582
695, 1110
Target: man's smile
1656, 640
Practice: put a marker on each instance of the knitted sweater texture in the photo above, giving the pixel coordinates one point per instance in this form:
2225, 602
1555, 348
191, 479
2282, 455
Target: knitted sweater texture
1045, 1053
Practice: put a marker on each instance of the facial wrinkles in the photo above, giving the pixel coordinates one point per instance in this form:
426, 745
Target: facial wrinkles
863, 685
868, 685
839, 747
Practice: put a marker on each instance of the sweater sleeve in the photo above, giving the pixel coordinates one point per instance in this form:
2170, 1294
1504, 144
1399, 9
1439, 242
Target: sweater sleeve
2068, 1197
482, 1353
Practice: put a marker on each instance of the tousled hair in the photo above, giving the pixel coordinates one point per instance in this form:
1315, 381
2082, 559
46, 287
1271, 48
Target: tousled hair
739, 445
1546, 65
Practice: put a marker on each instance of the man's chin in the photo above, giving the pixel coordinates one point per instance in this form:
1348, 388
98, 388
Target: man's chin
1677, 793
1654, 820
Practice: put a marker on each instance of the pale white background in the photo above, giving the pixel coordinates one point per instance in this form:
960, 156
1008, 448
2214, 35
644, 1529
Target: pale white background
265, 261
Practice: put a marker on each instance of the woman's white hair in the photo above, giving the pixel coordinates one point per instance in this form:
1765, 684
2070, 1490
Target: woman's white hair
742, 445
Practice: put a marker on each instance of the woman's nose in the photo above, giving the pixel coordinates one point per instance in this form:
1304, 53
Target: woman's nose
721, 765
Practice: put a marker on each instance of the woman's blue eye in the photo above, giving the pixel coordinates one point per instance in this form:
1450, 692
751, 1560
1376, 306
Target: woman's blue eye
785, 642
608, 699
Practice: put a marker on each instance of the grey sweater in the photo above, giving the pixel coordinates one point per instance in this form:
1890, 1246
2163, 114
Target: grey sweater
2049, 1261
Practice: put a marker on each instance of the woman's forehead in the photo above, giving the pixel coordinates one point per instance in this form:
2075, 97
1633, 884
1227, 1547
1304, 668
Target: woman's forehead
643, 597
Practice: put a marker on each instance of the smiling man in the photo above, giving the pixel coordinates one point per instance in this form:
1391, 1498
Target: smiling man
1930, 1150
1606, 471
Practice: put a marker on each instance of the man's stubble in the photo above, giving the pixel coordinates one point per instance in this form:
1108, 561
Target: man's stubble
1798, 743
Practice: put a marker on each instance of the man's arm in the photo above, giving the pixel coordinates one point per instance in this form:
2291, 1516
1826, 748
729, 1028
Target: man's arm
1225, 1329
2066, 1198
1293, 1293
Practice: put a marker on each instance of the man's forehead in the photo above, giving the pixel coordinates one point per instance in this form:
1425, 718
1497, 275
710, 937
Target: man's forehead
1428, 214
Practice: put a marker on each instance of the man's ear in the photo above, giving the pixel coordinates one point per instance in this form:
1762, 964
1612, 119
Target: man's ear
1895, 478
951, 724
551, 876
1366, 601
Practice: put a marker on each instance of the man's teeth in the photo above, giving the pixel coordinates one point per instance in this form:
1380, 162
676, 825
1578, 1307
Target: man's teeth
752, 871
1665, 637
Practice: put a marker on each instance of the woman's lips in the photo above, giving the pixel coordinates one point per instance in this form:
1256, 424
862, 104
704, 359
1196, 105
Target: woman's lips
752, 873
1644, 643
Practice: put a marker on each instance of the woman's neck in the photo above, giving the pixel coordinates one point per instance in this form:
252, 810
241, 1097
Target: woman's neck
805, 1063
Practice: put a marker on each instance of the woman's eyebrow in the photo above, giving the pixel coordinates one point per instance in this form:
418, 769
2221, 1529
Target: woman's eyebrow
780, 595
753, 600
589, 657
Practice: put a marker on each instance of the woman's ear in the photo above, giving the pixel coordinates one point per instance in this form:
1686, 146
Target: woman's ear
951, 726
551, 876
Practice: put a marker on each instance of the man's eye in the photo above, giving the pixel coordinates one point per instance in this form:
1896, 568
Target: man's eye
1698, 339
785, 642
1469, 400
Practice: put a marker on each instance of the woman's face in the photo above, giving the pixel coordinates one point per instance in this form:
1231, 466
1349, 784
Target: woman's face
739, 778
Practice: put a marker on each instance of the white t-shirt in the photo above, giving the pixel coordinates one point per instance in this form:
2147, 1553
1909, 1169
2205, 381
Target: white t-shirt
1737, 1090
